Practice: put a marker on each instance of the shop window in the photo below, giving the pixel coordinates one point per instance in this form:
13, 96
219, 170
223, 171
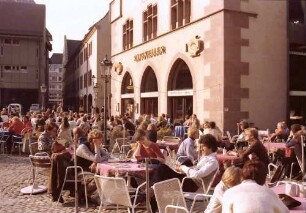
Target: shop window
180, 13
127, 30
150, 23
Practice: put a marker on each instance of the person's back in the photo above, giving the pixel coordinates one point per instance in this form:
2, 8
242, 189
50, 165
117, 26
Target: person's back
252, 195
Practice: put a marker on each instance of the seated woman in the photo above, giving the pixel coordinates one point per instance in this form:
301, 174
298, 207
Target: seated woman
145, 148
231, 177
281, 133
187, 153
46, 139
252, 195
90, 153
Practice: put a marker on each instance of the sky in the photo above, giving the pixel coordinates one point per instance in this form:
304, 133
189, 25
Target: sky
72, 18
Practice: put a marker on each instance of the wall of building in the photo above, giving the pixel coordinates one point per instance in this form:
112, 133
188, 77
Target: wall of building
266, 55
244, 50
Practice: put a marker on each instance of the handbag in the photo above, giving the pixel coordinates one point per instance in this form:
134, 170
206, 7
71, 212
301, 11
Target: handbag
290, 202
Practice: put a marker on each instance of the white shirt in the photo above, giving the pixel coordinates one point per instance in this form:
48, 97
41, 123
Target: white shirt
250, 197
215, 202
205, 166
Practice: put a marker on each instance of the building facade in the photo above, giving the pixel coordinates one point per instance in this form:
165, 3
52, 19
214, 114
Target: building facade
55, 79
24, 48
297, 61
213, 58
82, 64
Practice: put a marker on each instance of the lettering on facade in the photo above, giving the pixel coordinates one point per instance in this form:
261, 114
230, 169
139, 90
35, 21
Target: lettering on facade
150, 53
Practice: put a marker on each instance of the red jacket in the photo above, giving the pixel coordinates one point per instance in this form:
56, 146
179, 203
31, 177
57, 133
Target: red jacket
16, 127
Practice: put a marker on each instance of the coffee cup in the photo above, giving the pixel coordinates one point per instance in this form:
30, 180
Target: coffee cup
302, 190
292, 189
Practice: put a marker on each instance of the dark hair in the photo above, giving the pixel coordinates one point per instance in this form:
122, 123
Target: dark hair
295, 127
66, 123
138, 134
209, 141
212, 124
244, 124
255, 170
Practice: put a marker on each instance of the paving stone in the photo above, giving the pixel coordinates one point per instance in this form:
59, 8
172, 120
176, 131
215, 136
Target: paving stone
16, 172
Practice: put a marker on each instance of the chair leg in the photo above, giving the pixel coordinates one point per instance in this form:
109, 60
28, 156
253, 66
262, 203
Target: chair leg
35, 173
84, 182
60, 194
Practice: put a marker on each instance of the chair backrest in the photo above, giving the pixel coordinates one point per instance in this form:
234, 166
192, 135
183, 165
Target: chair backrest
41, 160
229, 136
172, 139
206, 182
33, 147
16, 138
113, 190
300, 153
169, 192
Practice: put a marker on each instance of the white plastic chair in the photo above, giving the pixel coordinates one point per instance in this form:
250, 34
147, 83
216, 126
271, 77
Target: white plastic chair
202, 194
3, 140
82, 174
169, 196
17, 140
121, 145
114, 191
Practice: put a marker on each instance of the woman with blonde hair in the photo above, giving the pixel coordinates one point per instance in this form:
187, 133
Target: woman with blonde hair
231, 177
91, 151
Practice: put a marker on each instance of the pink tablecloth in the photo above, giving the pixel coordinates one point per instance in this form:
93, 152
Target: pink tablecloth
121, 169
229, 158
273, 147
172, 145
280, 189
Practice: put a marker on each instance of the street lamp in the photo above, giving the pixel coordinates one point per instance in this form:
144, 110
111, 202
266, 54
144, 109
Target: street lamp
43, 90
106, 67
96, 91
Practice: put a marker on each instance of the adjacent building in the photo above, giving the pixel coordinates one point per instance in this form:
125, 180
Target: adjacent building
24, 47
55, 79
82, 68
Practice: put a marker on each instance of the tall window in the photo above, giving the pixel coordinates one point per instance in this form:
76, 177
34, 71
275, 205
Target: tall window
150, 22
128, 34
180, 13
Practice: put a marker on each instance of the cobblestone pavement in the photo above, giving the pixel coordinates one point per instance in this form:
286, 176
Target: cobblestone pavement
15, 174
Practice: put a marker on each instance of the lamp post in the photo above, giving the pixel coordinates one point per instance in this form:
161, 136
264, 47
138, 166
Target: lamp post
106, 67
43, 90
96, 90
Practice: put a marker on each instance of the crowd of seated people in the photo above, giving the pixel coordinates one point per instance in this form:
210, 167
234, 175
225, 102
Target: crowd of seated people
200, 157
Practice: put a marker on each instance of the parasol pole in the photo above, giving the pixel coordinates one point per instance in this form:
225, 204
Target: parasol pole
76, 175
147, 186
303, 160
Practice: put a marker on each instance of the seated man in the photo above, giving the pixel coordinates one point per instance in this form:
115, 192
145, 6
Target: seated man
186, 153
256, 149
252, 195
207, 164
